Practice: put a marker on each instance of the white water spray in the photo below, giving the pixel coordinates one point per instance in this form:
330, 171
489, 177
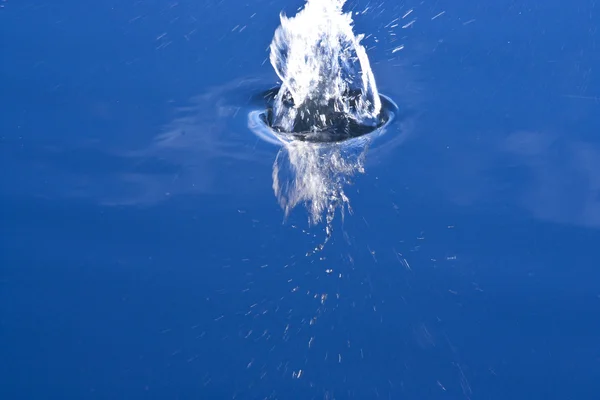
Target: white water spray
325, 113
324, 70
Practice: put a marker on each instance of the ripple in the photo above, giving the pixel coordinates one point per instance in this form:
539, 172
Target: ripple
344, 129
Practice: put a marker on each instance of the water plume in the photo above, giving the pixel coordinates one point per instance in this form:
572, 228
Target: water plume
325, 112
326, 77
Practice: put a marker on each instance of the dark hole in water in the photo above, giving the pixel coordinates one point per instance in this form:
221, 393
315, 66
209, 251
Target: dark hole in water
340, 126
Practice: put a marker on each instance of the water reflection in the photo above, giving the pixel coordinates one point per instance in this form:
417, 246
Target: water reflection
209, 142
207, 149
316, 173
553, 177
564, 177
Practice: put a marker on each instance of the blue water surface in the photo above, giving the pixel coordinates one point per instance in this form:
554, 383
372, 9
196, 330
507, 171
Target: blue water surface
143, 254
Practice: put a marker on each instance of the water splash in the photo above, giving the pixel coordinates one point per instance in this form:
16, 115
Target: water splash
326, 112
326, 77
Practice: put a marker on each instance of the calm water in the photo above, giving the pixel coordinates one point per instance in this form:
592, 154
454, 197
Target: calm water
144, 254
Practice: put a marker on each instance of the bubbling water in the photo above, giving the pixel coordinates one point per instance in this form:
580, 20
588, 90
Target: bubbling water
326, 78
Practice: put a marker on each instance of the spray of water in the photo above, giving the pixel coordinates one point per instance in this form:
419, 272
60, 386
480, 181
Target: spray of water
325, 72
323, 110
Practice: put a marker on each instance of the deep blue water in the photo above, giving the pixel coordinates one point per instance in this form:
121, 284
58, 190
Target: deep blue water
135, 265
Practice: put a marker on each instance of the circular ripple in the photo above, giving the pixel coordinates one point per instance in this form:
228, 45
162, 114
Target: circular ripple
344, 129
